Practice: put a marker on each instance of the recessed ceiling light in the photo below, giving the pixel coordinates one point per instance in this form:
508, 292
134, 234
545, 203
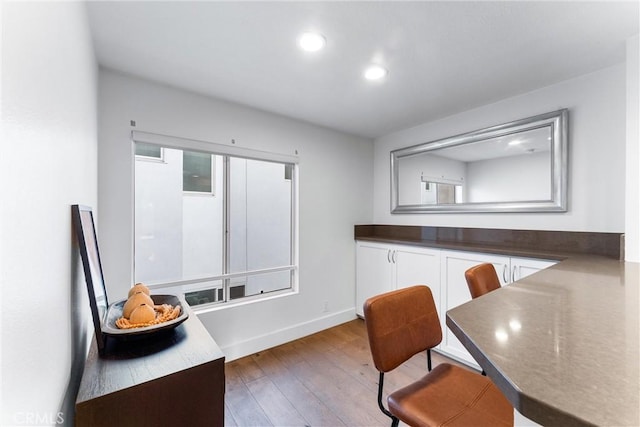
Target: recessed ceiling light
311, 42
375, 72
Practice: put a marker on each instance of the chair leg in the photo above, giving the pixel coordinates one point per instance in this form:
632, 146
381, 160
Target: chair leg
429, 360
394, 420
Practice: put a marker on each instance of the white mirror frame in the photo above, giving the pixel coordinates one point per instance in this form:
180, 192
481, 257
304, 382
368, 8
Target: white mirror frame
557, 121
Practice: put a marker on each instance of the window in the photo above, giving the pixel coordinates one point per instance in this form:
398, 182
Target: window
197, 172
446, 193
434, 192
238, 243
148, 151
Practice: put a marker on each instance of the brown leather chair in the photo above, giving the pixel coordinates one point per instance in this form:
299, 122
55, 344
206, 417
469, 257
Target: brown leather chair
482, 279
401, 324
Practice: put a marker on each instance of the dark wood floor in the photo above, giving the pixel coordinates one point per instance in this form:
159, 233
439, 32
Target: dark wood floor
326, 379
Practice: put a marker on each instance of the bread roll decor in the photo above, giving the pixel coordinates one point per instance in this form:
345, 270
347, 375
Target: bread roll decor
138, 287
139, 310
143, 313
134, 301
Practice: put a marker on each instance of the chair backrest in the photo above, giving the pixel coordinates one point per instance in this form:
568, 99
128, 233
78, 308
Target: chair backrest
482, 279
401, 324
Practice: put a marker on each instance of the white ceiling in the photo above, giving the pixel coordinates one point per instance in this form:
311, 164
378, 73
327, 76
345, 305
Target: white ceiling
518, 144
443, 57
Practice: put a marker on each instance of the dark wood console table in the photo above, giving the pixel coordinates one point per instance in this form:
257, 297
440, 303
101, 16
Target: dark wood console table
175, 378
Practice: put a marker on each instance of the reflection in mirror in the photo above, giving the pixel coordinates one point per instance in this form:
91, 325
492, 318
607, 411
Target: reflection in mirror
518, 166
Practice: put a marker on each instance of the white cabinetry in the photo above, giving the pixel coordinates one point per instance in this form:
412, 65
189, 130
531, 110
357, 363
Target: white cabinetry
523, 267
374, 272
456, 292
381, 268
384, 267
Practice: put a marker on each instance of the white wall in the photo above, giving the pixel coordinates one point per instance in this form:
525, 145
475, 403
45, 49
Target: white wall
47, 163
413, 168
335, 193
492, 180
597, 111
632, 192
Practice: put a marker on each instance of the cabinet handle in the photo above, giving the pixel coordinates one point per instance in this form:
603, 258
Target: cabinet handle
394, 256
505, 274
513, 274
389, 256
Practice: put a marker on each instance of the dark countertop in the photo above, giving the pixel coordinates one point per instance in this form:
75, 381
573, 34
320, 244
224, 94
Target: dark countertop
563, 343
557, 245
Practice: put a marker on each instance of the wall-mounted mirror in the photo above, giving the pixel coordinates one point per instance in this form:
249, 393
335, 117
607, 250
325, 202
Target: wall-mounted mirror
519, 166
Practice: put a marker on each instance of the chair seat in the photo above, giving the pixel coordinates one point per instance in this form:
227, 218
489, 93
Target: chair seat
451, 396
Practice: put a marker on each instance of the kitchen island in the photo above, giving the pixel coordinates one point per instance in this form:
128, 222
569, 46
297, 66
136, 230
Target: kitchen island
562, 344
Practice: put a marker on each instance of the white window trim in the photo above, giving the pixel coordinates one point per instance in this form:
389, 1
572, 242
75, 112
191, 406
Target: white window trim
143, 158
210, 147
249, 299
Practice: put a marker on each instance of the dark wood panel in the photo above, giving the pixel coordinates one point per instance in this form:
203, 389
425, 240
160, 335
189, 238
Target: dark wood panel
500, 240
172, 378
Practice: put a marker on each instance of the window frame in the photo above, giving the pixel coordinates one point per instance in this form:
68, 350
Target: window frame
212, 179
190, 285
142, 157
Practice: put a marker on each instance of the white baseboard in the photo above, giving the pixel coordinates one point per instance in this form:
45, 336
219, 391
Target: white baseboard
282, 336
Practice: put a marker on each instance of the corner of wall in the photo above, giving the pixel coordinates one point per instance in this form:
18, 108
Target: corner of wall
632, 188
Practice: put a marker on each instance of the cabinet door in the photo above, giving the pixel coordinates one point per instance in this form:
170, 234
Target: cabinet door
418, 266
455, 292
523, 267
373, 272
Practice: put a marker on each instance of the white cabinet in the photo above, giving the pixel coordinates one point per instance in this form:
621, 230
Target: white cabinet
374, 272
456, 292
523, 267
384, 267
381, 268
518, 268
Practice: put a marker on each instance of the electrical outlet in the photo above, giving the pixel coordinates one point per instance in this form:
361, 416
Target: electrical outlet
325, 307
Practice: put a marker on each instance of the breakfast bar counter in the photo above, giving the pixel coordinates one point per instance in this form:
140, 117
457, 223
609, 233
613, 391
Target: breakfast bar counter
562, 344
